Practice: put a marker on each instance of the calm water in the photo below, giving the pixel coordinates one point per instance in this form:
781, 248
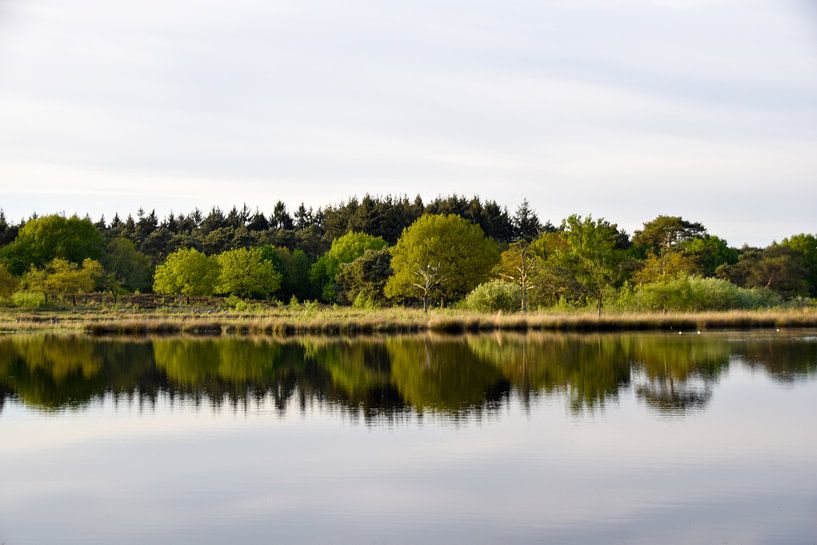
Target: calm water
647, 439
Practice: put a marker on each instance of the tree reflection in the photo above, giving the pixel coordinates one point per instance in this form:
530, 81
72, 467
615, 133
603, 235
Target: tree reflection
589, 369
444, 375
393, 377
677, 372
786, 359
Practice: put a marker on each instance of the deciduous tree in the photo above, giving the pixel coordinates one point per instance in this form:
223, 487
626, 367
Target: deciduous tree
589, 251
187, 272
443, 256
245, 273
344, 250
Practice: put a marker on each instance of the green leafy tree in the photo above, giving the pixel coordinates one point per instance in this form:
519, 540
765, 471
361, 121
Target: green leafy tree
518, 265
344, 250
187, 272
709, 253
365, 277
294, 268
440, 256
42, 239
589, 252
245, 273
666, 233
806, 246
128, 268
8, 283
778, 268
67, 279
664, 266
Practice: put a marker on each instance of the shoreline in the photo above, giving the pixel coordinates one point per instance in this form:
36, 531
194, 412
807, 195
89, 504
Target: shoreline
352, 322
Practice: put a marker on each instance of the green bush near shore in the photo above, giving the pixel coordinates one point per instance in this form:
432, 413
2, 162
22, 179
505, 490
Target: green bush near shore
694, 294
494, 296
28, 299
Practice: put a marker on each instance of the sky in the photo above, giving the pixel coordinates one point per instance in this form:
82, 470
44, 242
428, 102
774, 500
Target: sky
623, 109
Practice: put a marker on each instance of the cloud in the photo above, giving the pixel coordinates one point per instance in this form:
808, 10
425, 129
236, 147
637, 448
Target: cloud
582, 106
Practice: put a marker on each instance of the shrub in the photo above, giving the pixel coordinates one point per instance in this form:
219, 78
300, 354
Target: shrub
494, 296
363, 302
28, 299
691, 293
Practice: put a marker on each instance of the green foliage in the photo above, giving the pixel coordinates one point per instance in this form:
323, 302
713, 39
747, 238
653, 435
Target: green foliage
7, 282
28, 299
690, 293
778, 268
42, 239
668, 264
64, 278
344, 250
245, 273
520, 266
666, 233
365, 277
294, 268
709, 253
584, 259
494, 296
363, 302
130, 269
440, 256
806, 246
187, 272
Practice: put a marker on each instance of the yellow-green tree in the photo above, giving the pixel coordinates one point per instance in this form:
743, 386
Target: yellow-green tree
245, 273
187, 272
664, 266
440, 256
67, 279
518, 265
345, 249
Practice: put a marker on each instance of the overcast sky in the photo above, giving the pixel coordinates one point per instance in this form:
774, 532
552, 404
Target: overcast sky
623, 108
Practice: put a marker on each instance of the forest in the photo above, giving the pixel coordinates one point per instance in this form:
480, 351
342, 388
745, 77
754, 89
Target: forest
375, 252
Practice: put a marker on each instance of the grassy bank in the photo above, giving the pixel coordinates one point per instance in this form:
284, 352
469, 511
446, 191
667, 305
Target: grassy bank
345, 321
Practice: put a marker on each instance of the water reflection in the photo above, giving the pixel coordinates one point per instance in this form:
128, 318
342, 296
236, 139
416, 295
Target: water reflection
387, 378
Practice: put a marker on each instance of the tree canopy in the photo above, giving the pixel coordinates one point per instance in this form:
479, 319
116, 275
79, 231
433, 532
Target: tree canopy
440, 256
245, 273
589, 252
42, 239
187, 272
345, 249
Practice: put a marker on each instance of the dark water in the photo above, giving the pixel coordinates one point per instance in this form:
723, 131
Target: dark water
647, 439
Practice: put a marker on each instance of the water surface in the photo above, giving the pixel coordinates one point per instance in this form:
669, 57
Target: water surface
644, 439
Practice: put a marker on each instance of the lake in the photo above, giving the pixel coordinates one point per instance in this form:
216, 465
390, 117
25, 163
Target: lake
491, 439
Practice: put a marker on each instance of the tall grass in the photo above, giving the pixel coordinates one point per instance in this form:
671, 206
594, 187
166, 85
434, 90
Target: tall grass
352, 322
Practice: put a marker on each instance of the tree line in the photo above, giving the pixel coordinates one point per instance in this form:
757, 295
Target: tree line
394, 250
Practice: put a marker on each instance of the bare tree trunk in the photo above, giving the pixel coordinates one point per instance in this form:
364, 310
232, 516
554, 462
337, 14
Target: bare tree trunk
425, 304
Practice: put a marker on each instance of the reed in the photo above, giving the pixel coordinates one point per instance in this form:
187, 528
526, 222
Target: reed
353, 322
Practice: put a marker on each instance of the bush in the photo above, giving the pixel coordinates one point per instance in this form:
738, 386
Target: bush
28, 299
700, 294
494, 296
363, 302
